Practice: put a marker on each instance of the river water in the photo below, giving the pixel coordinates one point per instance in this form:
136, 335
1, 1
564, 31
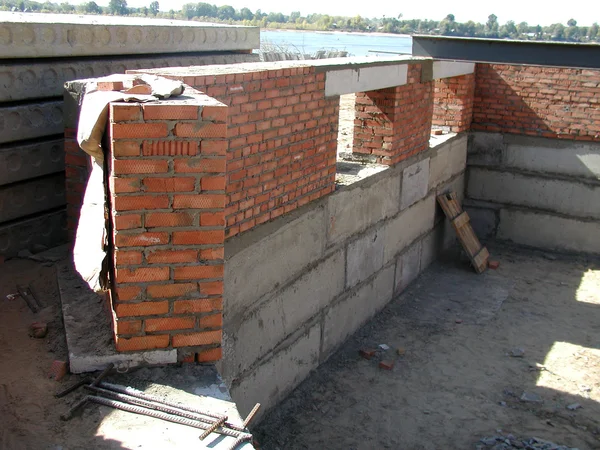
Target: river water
357, 44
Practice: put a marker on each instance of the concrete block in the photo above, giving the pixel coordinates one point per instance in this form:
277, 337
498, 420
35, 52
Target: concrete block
548, 231
27, 35
553, 156
415, 183
450, 160
30, 121
32, 196
484, 218
47, 229
408, 226
348, 315
355, 209
20, 162
485, 148
273, 260
449, 69
41, 79
572, 198
364, 79
408, 267
431, 246
261, 329
364, 257
270, 382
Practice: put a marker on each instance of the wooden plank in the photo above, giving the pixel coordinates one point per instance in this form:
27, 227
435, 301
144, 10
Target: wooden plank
462, 226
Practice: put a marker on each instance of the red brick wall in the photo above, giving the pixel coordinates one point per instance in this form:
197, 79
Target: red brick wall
453, 103
282, 134
537, 101
394, 123
167, 186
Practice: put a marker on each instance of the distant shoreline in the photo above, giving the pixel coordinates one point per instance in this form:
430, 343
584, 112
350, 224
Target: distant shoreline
358, 33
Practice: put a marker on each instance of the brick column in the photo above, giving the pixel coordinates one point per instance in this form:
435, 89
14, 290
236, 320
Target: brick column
167, 185
453, 103
394, 123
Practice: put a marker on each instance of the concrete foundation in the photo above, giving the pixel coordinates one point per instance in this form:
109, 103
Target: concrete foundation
297, 287
534, 191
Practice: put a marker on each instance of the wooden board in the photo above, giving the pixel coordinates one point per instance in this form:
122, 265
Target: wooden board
460, 222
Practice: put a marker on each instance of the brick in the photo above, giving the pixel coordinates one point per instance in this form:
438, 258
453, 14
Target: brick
199, 201
141, 274
137, 202
141, 239
125, 113
110, 85
210, 355
367, 353
126, 293
212, 321
197, 272
213, 183
493, 264
214, 113
157, 111
128, 221
172, 290
124, 185
142, 309
212, 219
169, 219
135, 166
173, 184
198, 237
128, 258
170, 148
139, 130
141, 343
129, 326
218, 147
200, 165
172, 256
200, 130
58, 370
201, 338
199, 305
386, 364
169, 323
210, 288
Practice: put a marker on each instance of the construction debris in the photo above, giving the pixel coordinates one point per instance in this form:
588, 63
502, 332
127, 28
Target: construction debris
38, 330
510, 442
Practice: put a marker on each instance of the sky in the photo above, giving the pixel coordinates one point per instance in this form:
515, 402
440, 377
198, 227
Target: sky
534, 12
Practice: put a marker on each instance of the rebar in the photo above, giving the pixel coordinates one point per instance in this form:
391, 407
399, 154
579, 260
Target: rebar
212, 428
251, 415
103, 374
240, 440
70, 389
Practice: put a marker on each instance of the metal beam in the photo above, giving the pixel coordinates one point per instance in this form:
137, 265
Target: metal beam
502, 51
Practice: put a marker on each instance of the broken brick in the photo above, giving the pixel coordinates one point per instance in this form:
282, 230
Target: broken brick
493, 264
110, 85
38, 330
386, 364
367, 353
58, 370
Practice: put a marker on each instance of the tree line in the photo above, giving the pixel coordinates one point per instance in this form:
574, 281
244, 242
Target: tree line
206, 12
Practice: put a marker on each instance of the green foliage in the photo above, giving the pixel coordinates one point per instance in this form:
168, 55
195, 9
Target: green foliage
118, 7
154, 6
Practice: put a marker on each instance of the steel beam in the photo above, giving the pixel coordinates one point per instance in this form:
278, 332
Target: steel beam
502, 51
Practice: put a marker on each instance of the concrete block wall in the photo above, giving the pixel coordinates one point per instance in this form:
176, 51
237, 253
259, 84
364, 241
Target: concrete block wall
167, 201
282, 133
297, 287
43, 51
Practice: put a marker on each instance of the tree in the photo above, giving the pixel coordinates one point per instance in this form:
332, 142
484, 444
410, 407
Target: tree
593, 31
226, 12
523, 28
246, 14
572, 23
154, 8
491, 26
294, 16
91, 8
450, 18
118, 7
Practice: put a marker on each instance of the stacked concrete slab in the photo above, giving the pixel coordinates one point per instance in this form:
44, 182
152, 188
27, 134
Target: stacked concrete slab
535, 191
40, 52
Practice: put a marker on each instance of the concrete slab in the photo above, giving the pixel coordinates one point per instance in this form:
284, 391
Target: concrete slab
408, 226
348, 81
449, 69
270, 382
408, 266
31, 121
88, 332
449, 160
415, 183
349, 314
283, 253
23, 161
572, 198
47, 229
41, 79
354, 209
32, 196
538, 229
262, 328
364, 257
29, 35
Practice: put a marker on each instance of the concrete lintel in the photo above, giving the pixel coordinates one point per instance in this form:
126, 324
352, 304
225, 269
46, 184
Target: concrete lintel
449, 69
348, 81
